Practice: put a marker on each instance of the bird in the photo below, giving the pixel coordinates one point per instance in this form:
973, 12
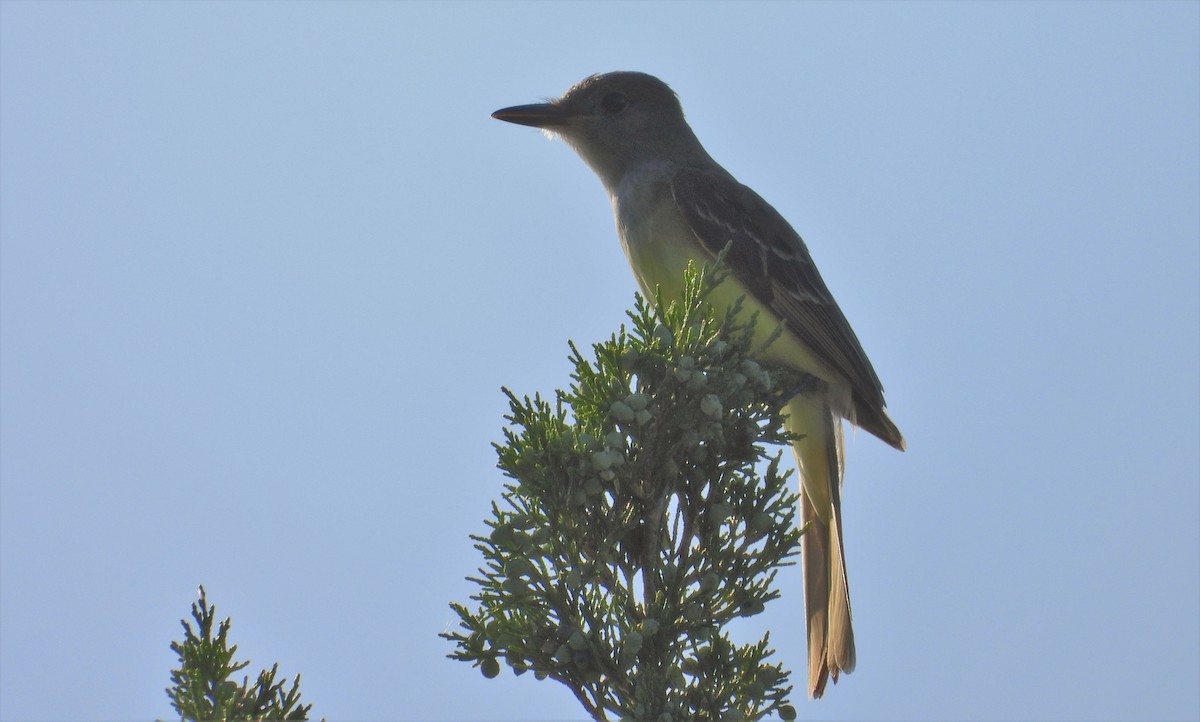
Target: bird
673, 204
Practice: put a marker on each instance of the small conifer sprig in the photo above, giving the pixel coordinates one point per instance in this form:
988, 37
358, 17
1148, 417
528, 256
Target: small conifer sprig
203, 688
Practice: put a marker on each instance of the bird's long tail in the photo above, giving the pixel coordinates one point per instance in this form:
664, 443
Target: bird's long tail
826, 594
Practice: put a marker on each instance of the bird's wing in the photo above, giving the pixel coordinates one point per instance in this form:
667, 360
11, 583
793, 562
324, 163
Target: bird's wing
769, 258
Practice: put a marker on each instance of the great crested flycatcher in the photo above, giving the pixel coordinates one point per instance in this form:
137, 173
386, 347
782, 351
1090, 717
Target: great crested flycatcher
674, 204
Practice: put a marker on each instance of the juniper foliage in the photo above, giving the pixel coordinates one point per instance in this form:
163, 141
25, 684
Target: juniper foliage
644, 516
202, 687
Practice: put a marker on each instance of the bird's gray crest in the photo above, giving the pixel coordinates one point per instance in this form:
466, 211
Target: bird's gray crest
624, 79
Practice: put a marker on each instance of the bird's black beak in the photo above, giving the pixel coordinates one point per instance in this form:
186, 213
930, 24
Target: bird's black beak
538, 115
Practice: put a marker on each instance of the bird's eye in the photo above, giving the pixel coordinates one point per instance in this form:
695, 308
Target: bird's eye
614, 102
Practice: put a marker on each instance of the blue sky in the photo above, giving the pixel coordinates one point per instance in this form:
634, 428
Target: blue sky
264, 268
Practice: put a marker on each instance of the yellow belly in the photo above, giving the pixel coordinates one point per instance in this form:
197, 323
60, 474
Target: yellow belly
659, 255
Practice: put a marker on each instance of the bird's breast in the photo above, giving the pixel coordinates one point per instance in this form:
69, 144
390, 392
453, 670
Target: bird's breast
657, 241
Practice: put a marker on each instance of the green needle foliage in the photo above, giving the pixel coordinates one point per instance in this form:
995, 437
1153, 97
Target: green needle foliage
201, 689
644, 516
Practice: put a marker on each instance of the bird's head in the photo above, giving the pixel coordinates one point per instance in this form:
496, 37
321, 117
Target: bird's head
614, 121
